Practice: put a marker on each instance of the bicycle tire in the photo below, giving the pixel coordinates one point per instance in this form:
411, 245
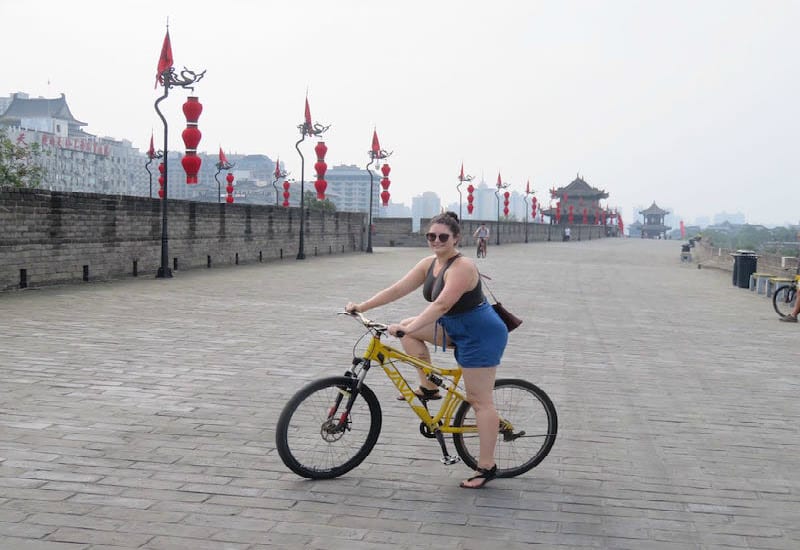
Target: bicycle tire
307, 442
783, 300
530, 410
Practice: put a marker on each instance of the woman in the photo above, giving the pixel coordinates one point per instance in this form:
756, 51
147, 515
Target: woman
460, 317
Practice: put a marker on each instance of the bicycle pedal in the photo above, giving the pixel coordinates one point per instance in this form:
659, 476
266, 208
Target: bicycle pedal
450, 460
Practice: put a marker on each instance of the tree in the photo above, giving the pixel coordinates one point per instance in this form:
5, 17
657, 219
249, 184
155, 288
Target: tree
315, 205
20, 162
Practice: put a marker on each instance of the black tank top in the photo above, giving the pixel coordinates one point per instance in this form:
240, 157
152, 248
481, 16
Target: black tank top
433, 287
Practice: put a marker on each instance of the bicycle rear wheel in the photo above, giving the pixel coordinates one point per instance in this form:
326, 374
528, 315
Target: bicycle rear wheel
783, 300
318, 438
533, 415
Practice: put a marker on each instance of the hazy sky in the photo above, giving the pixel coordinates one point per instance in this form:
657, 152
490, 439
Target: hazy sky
693, 104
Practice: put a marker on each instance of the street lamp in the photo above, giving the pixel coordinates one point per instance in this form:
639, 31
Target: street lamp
525, 199
151, 154
461, 179
223, 164
167, 77
278, 175
375, 153
500, 185
307, 128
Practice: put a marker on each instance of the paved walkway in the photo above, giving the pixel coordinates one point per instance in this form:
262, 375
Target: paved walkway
141, 413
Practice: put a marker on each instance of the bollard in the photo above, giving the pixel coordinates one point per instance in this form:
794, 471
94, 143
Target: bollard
135, 268
208, 261
23, 278
86, 273
237, 258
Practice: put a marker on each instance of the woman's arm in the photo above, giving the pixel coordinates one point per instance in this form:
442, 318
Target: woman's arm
412, 280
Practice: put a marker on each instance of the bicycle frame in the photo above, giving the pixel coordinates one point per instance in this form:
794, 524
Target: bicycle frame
386, 356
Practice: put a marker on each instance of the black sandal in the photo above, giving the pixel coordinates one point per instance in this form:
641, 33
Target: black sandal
424, 393
486, 474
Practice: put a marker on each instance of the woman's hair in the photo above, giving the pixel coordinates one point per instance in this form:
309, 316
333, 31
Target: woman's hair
450, 219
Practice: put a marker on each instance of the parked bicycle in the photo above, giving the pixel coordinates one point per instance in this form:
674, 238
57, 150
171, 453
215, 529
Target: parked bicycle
331, 425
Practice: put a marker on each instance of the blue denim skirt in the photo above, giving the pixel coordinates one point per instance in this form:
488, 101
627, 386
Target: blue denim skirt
478, 335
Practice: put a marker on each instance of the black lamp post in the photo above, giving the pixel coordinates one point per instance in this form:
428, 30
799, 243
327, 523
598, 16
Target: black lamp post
307, 128
276, 176
375, 153
223, 164
525, 199
152, 154
461, 179
500, 185
168, 78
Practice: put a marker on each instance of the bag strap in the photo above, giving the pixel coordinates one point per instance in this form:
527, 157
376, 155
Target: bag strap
486, 277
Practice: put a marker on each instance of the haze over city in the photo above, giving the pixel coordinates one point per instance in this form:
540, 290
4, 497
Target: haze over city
689, 104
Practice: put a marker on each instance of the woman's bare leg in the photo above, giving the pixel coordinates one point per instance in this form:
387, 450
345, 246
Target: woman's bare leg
479, 383
416, 344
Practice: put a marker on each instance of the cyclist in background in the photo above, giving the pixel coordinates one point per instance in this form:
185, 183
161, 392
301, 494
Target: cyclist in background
482, 234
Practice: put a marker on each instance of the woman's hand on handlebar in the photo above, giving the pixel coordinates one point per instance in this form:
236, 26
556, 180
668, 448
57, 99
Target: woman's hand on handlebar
397, 330
351, 307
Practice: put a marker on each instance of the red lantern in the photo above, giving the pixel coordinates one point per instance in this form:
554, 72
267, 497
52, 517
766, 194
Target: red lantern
286, 194
192, 109
533, 208
570, 217
558, 212
191, 138
470, 198
320, 185
385, 169
585, 217
229, 188
505, 203
470, 208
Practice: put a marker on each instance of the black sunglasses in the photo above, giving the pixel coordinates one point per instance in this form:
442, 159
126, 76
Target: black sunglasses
443, 237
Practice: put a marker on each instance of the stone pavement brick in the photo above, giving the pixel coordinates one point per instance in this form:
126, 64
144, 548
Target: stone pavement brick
141, 413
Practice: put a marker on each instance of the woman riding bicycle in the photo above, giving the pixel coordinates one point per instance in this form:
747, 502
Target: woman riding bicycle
459, 316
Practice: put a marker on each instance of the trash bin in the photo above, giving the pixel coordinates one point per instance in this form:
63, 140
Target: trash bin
744, 265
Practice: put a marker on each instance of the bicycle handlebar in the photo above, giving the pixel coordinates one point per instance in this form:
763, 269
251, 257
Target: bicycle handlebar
380, 327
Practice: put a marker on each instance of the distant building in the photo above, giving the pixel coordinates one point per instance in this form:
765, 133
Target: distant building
425, 205
735, 219
577, 197
653, 226
348, 189
73, 160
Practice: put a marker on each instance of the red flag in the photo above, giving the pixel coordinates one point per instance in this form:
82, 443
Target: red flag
278, 169
683, 230
165, 61
309, 125
499, 181
376, 147
151, 153
528, 187
222, 158
461, 176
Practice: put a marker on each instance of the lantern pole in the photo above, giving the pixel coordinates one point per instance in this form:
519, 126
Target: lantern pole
278, 175
461, 179
170, 80
374, 155
220, 167
306, 129
500, 186
525, 200
150, 156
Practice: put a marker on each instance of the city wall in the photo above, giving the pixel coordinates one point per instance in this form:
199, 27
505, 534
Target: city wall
52, 237
398, 232
56, 237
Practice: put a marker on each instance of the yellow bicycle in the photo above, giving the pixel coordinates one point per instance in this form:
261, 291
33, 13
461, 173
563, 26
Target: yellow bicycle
331, 425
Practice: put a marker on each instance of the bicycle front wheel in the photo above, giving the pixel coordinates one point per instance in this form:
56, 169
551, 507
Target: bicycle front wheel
318, 438
535, 424
783, 300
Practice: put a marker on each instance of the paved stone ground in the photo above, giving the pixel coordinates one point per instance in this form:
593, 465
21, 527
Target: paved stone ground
141, 413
